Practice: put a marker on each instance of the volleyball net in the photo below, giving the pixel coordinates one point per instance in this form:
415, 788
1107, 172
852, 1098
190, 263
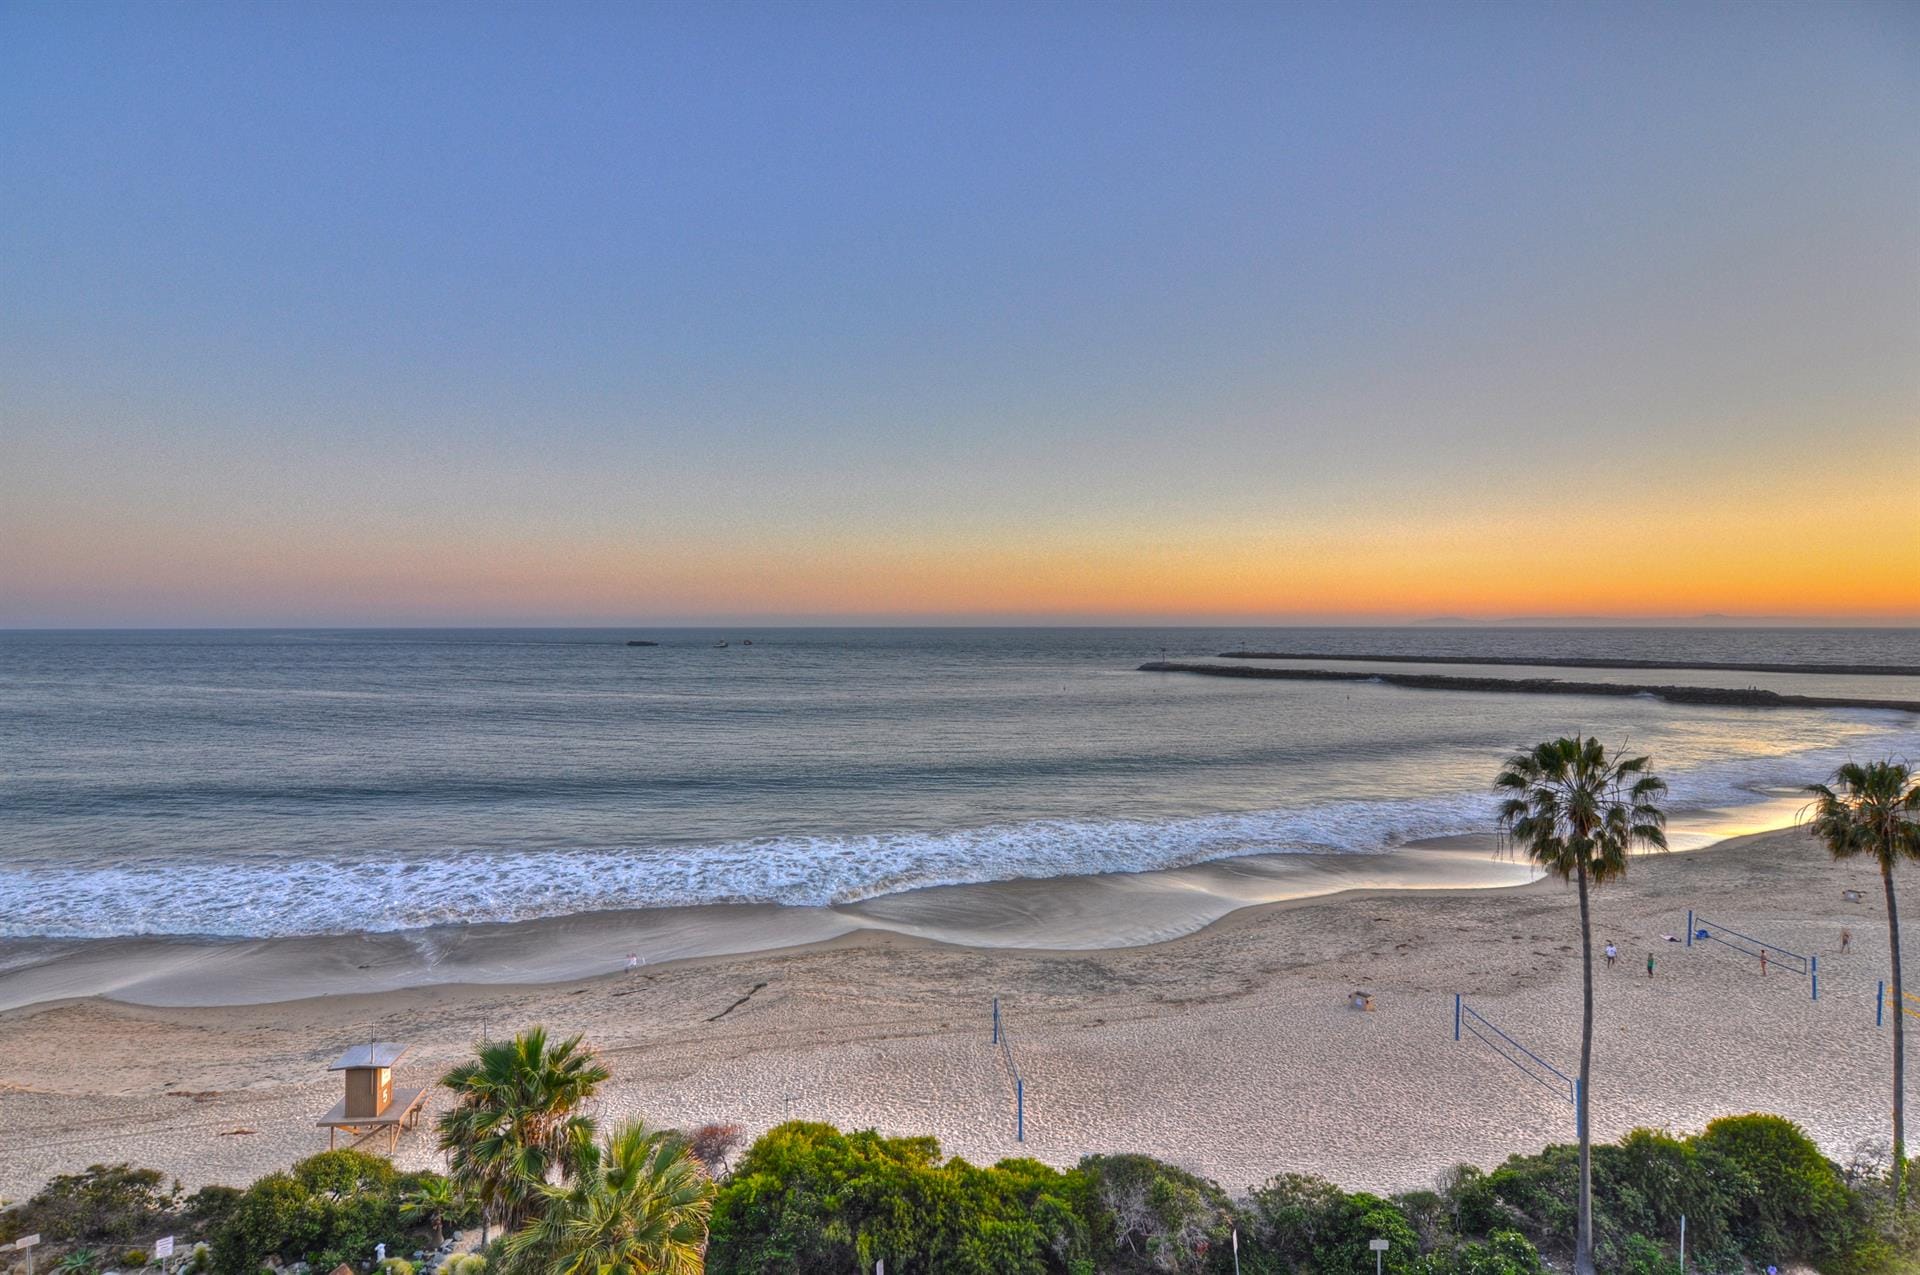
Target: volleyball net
1468, 1021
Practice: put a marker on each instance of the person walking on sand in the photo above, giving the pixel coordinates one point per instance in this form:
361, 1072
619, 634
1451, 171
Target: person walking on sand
1763, 962
1649, 964
1846, 937
1613, 954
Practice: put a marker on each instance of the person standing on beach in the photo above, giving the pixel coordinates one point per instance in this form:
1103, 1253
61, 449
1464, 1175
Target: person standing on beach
1846, 937
1649, 964
1613, 954
1763, 962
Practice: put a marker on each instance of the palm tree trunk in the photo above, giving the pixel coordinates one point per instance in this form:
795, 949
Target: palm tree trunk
1583, 1227
1899, 1044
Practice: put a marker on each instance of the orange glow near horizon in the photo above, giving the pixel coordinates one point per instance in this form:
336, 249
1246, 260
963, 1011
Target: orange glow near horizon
1738, 561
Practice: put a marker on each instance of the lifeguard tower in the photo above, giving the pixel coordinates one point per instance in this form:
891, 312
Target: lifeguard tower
372, 1106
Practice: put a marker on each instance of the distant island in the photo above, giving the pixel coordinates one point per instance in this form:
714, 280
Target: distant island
640, 642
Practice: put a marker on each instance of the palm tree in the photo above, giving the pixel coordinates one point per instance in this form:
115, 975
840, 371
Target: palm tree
1874, 809
516, 1119
637, 1205
1579, 813
433, 1199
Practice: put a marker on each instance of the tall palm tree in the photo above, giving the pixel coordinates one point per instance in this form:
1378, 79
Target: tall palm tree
1579, 813
516, 1119
637, 1205
1873, 809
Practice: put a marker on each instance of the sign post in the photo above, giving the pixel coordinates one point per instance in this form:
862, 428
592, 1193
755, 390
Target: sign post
25, 1244
1379, 1247
1236, 1251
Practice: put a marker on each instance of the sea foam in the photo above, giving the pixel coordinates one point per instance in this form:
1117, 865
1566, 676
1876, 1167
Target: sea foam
384, 890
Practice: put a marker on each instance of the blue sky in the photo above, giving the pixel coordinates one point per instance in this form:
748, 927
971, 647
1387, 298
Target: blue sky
361, 313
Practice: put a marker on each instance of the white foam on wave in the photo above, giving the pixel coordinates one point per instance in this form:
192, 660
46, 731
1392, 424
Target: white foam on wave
387, 891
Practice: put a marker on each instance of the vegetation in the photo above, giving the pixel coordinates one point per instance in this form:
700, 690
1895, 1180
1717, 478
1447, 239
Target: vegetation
1579, 813
434, 1200
637, 1203
1873, 809
330, 1208
809, 1199
107, 1203
516, 1120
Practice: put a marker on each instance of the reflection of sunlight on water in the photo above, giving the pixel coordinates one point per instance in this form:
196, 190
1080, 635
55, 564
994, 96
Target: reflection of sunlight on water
1697, 829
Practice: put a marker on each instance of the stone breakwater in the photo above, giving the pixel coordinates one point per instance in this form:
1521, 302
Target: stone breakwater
1731, 696
1569, 661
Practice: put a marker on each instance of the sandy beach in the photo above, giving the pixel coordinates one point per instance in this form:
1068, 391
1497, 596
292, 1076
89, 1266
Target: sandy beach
1232, 1050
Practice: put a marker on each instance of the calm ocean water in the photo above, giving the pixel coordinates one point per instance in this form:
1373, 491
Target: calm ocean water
260, 783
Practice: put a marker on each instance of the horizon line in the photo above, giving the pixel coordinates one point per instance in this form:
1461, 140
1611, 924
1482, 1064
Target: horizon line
859, 622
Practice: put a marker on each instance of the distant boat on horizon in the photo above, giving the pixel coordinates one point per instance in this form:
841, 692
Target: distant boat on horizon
640, 642
719, 644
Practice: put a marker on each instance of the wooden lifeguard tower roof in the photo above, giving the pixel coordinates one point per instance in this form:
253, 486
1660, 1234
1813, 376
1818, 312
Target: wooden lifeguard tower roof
377, 1053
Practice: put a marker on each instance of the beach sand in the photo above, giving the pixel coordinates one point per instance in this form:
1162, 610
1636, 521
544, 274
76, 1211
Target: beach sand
1231, 1050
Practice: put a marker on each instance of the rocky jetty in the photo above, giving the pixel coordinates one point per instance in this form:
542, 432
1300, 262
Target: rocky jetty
1733, 696
1571, 661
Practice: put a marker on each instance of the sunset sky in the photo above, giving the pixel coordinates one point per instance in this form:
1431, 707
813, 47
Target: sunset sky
580, 313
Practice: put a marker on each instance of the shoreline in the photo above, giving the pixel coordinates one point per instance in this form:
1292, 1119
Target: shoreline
1083, 914
1242, 1025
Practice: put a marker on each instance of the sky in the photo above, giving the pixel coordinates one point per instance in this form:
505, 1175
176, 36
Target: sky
343, 314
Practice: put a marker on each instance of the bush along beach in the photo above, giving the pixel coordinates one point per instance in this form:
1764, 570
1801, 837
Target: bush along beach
810, 1199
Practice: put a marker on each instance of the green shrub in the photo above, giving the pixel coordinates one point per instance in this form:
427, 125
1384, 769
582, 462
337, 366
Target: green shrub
105, 1203
1642, 1256
806, 1199
330, 1208
397, 1266
134, 1257
80, 1261
343, 1173
1154, 1216
209, 1206
1790, 1202
1502, 1253
1309, 1223
1292, 1214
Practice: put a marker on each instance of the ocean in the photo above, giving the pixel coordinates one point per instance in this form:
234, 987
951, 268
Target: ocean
270, 783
